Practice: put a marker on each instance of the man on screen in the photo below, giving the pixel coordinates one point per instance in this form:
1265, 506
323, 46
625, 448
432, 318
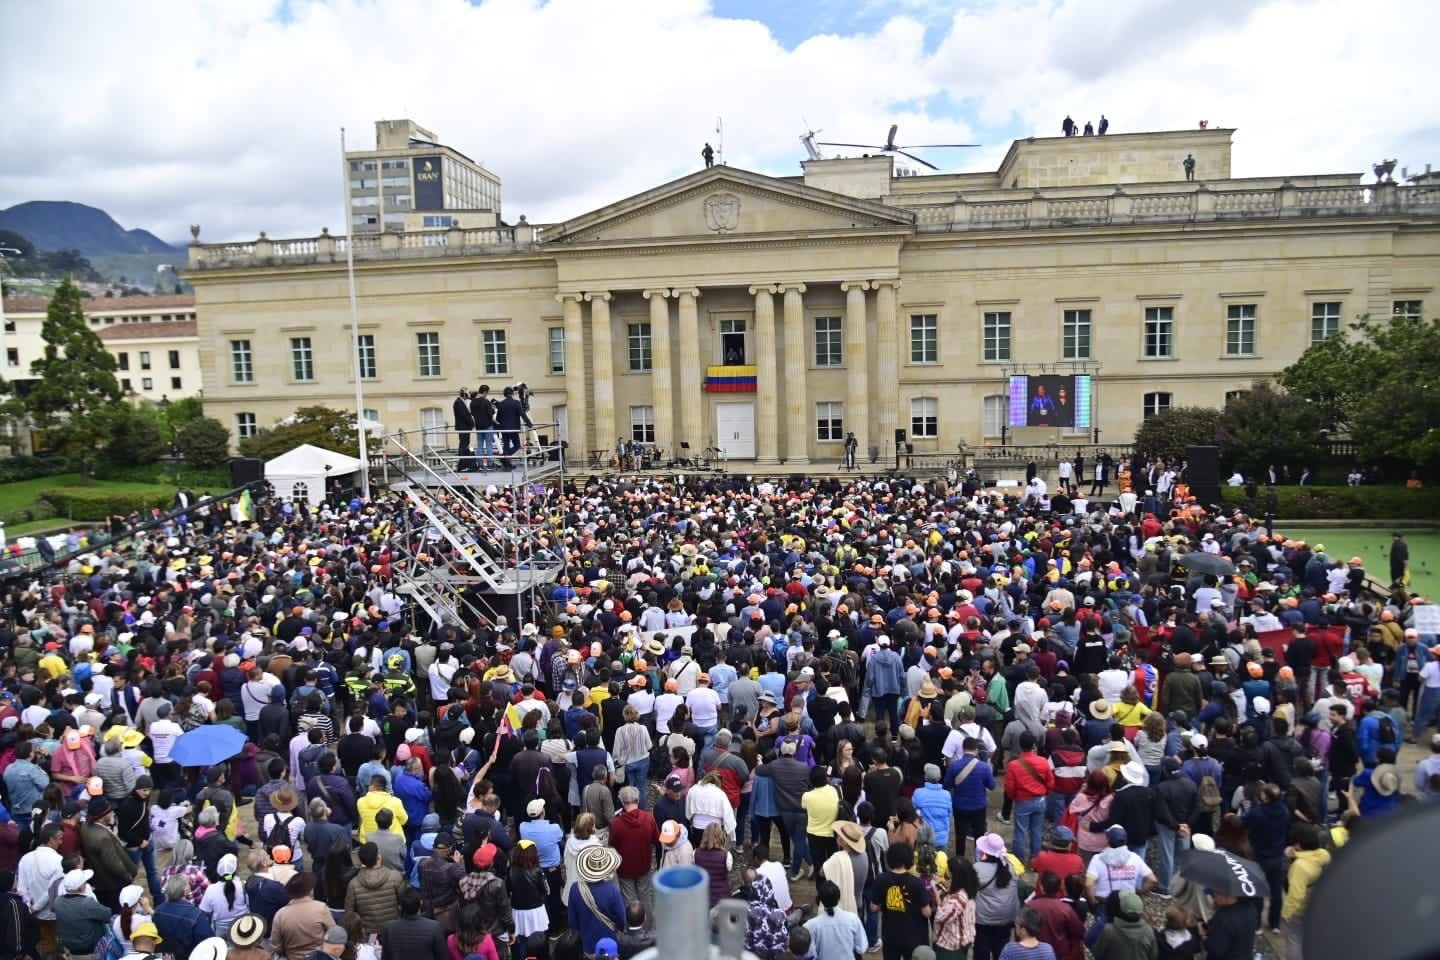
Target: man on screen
1042, 406
1064, 412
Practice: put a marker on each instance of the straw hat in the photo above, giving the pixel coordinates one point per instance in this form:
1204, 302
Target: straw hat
595, 864
848, 835
247, 930
1100, 709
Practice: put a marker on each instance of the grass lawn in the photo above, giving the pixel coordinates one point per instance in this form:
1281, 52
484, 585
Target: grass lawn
22, 494
1372, 544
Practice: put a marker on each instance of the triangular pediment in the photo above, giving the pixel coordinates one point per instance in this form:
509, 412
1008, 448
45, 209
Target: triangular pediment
725, 201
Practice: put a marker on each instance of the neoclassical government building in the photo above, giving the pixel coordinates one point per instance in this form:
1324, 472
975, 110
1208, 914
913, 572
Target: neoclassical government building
769, 316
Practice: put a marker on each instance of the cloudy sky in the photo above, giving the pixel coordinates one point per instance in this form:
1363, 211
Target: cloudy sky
226, 113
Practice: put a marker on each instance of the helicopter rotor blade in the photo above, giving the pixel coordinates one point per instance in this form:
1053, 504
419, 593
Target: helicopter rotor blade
862, 146
890, 140
916, 159
929, 146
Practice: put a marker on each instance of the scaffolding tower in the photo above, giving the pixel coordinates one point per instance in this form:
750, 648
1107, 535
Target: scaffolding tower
470, 547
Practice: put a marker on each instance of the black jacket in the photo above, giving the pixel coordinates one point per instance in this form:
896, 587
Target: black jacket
1133, 809
464, 419
482, 412
510, 414
1278, 754
413, 938
132, 820
1176, 801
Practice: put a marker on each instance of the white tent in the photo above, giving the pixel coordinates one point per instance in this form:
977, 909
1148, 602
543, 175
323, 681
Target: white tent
304, 471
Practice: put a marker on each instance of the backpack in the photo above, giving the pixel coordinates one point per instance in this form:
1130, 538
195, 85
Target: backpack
1307, 744
780, 653
1209, 794
1387, 732
279, 833
872, 877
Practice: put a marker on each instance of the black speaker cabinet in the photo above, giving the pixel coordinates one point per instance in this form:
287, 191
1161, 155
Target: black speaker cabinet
1203, 473
246, 470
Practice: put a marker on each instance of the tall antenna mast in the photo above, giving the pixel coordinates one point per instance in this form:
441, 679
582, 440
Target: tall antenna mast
720, 140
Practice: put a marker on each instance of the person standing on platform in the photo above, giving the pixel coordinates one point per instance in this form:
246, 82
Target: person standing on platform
464, 424
510, 415
482, 416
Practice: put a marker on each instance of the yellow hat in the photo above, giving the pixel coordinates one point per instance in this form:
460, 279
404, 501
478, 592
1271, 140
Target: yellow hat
147, 930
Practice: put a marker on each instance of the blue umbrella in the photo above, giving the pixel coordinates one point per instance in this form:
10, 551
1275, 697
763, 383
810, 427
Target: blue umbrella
208, 745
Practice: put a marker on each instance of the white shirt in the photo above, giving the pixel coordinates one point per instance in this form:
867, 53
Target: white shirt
706, 804
39, 871
1112, 682
774, 871
1117, 869
665, 705
441, 673
955, 742
704, 706
1430, 673
163, 733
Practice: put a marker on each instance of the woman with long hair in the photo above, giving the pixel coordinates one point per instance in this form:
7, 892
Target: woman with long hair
528, 891
1090, 806
904, 826
582, 836
357, 947
1150, 744
445, 790
335, 872
954, 921
997, 897
225, 902
714, 858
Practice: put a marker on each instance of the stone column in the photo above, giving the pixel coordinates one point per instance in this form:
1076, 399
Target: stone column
887, 363
767, 389
691, 430
577, 398
857, 366
662, 382
797, 393
602, 359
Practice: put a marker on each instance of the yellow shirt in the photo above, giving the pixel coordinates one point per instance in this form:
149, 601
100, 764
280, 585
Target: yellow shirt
372, 803
1130, 714
53, 665
822, 805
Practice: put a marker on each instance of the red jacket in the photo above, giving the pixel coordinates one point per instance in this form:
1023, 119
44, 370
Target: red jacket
1060, 927
1069, 766
1028, 776
633, 834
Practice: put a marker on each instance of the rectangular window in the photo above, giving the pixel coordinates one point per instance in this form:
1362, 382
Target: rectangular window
123, 361
125, 385
147, 383
1324, 321
924, 417
12, 357
996, 412
365, 352
1077, 335
1408, 310
638, 339
144, 360
642, 424
370, 414
427, 353
497, 355
245, 425
996, 329
924, 338
828, 340
557, 349
10, 324
175, 383
433, 426
302, 359
1159, 333
242, 362
174, 358
1240, 330
1232, 395
732, 341
1156, 403
829, 421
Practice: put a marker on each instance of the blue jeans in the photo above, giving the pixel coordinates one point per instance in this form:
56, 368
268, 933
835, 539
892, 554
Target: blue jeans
1029, 827
485, 443
1426, 711
146, 856
742, 815
637, 775
794, 823
1055, 804
1170, 845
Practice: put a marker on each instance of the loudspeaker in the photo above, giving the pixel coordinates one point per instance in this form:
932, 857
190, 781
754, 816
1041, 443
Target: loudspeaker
1203, 473
899, 436
246, 470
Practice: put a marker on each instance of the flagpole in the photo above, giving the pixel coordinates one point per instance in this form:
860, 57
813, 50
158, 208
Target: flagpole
355, 326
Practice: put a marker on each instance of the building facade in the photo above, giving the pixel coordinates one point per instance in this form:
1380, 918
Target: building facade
412, 182
769, 317
153, 339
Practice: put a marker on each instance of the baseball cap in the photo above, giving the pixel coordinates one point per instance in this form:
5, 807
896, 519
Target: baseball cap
1116, 835
669, 832
673, 782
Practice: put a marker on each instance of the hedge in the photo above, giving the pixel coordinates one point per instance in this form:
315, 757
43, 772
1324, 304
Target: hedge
99, 503
14, 469
1343, 503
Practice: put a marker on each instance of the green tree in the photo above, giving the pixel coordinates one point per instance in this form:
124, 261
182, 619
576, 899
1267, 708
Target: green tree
203, 442
320, 426
134, 436
1264, 426
1167, 434
75, 381
180, 413
1380, 383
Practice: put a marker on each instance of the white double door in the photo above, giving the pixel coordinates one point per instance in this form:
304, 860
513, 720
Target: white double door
735, 429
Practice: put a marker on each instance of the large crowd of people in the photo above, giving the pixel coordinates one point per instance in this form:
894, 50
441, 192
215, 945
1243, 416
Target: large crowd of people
974, 726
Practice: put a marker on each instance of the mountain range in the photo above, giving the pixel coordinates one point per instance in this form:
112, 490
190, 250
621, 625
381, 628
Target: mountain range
63, 225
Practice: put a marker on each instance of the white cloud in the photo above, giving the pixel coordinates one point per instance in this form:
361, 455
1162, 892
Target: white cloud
218, 113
